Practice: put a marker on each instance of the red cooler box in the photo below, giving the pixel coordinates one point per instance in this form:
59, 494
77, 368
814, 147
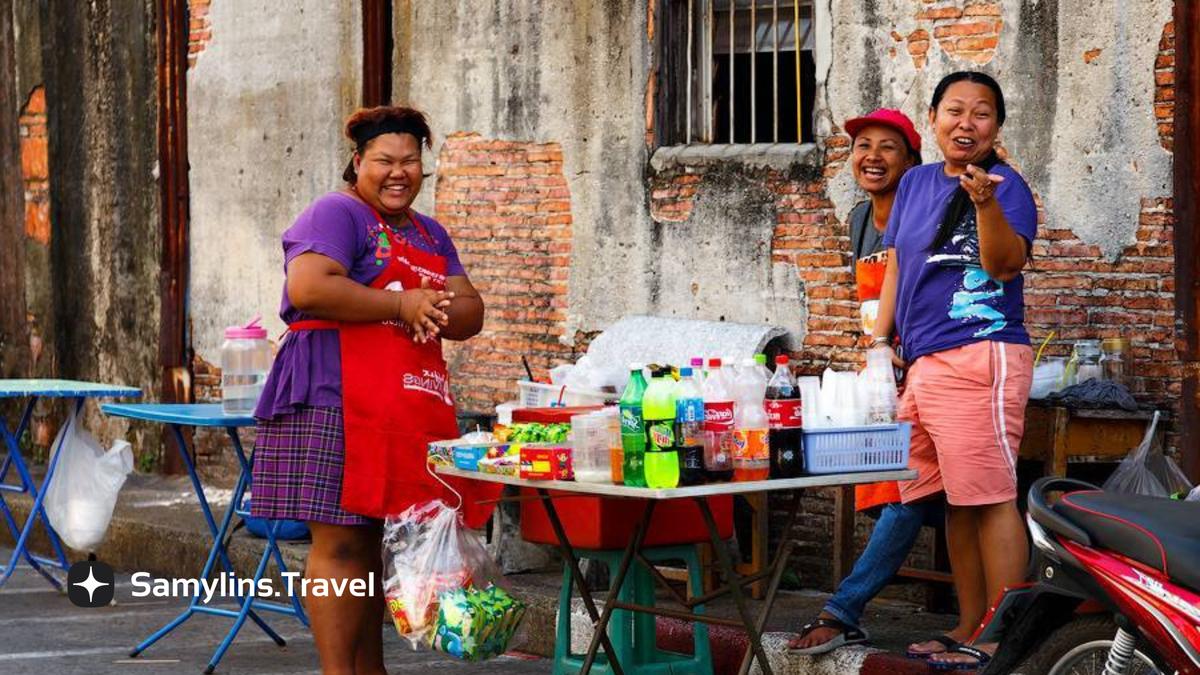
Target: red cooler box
606, 523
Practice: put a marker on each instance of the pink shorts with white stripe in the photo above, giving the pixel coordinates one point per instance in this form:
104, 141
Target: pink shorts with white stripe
967, 408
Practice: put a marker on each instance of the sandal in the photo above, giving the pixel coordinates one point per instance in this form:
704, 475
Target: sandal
847, 635
981, 659
941, 638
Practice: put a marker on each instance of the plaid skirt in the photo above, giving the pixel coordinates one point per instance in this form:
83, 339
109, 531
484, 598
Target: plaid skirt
297, 470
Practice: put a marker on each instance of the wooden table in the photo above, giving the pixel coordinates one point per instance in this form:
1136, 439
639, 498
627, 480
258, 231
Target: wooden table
734, 582
1058, 435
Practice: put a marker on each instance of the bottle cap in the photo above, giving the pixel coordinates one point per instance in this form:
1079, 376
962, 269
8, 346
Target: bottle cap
781, 360
636, 366
697, 362
714, 363
251, 331
760, 359
685, 372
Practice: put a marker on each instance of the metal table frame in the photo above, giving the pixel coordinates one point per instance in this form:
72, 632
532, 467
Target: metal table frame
33, 390
177, 416
753, 625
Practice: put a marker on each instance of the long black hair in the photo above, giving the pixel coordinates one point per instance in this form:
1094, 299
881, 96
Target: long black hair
960, 202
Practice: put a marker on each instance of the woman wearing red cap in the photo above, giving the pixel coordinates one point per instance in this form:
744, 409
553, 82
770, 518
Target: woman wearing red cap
884, 145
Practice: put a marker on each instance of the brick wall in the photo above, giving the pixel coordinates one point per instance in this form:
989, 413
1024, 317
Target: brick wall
35, 166
1164, 91
507, 206
199, 29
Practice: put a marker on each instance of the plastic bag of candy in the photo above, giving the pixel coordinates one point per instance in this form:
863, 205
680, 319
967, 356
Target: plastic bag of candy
474, 624
427, 552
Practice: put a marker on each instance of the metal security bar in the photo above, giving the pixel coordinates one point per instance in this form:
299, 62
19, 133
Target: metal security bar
725, 39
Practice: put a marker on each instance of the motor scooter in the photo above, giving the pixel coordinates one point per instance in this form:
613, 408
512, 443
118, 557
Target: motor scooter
1115, 588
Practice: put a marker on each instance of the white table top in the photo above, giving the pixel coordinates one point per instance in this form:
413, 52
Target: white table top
611, 490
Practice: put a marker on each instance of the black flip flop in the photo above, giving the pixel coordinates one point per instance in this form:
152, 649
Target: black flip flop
941, 638
981, 659
847, 635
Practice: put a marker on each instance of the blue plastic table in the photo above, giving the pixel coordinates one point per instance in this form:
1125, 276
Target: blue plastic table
179, 415
33, 390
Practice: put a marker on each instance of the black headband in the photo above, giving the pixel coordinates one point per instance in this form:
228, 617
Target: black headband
388, 125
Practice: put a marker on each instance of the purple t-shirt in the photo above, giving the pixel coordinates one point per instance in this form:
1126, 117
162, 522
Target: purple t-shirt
944, 299
308, 368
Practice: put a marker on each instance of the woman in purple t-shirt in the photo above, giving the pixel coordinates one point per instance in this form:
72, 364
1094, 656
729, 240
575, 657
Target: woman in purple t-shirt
958, 236
359, 384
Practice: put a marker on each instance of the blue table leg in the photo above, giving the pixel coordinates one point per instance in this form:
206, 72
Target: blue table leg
15, 459
204, 507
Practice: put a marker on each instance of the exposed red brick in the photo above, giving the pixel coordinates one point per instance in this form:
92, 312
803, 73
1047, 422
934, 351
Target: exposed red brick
35, 168
199, 29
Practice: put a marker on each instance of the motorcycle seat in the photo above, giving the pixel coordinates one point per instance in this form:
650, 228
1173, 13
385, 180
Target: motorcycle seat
1161, 533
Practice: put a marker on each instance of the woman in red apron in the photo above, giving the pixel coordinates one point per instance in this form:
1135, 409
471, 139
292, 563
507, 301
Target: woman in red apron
359, 387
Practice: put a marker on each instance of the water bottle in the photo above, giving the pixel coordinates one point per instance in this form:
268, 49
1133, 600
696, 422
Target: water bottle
689, 423
245, 363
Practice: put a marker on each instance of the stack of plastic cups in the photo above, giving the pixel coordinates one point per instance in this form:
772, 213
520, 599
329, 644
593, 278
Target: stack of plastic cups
591, 454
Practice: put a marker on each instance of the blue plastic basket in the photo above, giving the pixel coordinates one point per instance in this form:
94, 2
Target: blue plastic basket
843, 450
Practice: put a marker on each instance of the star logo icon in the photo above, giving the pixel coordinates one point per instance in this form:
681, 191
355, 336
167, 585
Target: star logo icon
90, 583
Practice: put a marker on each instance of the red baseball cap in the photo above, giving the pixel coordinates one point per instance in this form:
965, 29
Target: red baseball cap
887, 117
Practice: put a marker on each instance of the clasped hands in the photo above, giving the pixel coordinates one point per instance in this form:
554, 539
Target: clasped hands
421, 309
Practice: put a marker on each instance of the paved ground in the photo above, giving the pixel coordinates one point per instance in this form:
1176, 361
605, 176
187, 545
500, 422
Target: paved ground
42, 632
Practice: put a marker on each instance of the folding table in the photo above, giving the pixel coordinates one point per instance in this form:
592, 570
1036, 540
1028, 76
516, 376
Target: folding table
753, 625
33, 390
179, 415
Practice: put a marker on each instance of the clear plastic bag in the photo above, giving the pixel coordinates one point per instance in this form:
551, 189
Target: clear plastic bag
429, 555
83, 492
1146, 471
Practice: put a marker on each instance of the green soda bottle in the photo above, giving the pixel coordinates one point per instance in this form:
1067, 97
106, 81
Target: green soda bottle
633, 428
662, 452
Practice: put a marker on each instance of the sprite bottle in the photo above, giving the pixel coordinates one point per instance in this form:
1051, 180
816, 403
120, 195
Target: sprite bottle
633, 428
662, 452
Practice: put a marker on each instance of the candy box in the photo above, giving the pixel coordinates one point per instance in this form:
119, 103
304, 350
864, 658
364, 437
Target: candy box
467, 456
441, 453
508, 465
546, 461
474, 624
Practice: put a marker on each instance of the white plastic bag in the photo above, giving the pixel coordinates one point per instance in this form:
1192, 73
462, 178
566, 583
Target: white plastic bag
1146, 471
85, 485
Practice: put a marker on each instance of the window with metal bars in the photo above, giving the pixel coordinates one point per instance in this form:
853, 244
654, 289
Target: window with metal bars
735, 72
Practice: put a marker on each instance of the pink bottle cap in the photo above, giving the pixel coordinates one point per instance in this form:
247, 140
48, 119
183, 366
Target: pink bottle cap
251, 331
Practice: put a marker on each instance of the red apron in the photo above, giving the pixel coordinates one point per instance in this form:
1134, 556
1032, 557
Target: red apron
868, 276
396, 398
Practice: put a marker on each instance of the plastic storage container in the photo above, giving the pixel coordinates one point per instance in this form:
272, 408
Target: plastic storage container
245, 364
605, 523
1112, 361
874, 448
541, 395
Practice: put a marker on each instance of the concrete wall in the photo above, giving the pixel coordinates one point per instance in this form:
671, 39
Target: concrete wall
271, 84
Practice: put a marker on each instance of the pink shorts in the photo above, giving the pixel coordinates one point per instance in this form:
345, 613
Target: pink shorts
967, 408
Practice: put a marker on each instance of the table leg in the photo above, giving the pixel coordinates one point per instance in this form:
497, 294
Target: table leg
777, 567
568, 554
614, 591
735, 589
181, 444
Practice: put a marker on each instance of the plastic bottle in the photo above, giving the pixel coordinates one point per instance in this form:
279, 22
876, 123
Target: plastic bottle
658, 407
245, 364
633, 428
616, 452
786, 423
751, 442
689, 428
718, 423
760, 365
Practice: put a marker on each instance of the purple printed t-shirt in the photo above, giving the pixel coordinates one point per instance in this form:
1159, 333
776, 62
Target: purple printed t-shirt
944, 299
308, 368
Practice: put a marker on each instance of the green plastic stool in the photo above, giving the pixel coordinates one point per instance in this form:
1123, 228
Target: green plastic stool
633, 633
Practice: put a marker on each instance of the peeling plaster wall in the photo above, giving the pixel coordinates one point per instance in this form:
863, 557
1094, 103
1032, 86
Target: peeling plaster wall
266, 105
1082, 131
571, 73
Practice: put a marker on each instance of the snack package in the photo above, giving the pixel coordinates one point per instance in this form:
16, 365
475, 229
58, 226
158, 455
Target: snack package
428, 552
474, 624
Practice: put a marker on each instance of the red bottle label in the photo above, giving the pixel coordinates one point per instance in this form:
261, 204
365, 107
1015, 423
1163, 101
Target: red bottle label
784, 413
718, 416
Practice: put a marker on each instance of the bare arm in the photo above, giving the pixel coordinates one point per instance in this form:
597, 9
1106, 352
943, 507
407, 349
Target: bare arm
318, 285
885, 321
1002, 251
465, 311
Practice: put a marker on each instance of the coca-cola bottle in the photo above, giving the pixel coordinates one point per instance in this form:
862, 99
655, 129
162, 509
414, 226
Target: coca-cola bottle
786, 424
718, 423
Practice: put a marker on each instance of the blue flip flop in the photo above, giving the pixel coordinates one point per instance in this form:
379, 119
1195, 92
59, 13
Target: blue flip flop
981, 659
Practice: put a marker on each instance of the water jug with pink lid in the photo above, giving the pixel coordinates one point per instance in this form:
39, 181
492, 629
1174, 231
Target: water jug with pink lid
245, 363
